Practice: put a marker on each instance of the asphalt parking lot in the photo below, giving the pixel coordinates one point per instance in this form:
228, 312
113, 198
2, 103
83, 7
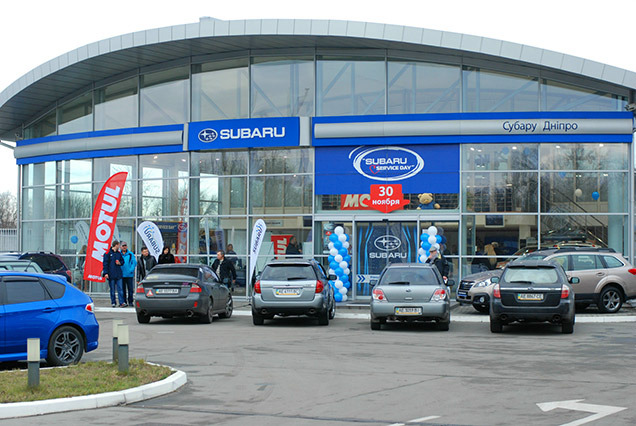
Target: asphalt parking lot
292, 371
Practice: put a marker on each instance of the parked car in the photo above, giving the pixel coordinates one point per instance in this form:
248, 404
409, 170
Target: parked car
47, 307
50, 263
182, 289
20, 265
293, 287
532, 291
410, 292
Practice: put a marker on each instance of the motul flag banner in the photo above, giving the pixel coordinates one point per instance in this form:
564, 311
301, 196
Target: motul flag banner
103, 225
152, 238
258, 235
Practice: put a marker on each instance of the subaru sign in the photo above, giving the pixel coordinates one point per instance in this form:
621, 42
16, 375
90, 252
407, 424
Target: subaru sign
418, 168
244, 133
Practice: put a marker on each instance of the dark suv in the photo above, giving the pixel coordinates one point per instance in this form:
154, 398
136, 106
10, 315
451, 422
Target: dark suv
293, 287
50, 263
532, 291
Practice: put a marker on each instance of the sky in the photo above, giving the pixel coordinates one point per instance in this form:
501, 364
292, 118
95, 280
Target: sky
35, 31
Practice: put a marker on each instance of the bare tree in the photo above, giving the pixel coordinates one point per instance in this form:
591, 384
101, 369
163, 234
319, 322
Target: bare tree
8, 210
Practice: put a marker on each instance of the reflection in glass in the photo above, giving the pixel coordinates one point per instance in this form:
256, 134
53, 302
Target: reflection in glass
106, 167
38, 203
116, 105
76, 115
163, 166
281, 194
281, 161
215, 195
220, 90
499, 157
38, 236
46, 126
72, 171
165, 97
74, 201
579, 192
219, 163
488, 91
164, 197
562, 97
38, 174
500, 192
598, 230
584, 156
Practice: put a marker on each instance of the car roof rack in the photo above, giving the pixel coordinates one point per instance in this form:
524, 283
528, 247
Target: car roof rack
592, 249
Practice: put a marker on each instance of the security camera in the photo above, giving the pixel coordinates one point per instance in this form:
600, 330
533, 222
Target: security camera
631, 107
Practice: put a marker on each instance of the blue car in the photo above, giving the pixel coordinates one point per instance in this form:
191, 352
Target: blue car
45, 306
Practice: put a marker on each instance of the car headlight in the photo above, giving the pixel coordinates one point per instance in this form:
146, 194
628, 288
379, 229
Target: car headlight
484, 283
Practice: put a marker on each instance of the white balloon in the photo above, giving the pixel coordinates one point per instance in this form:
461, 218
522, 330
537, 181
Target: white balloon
344, 265
432, 239
578, 192
346, 271
332, 272
436, 246
333, 251
420, 251
338, 258
344, 297
330, 245
431, 230
345, 244
423, 258
343, 290
339, 230
339, 284
342, 238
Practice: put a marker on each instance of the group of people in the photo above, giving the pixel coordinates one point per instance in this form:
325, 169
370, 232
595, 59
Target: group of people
119, 269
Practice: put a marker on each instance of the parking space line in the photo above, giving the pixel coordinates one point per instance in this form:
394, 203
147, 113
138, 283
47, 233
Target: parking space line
423, 419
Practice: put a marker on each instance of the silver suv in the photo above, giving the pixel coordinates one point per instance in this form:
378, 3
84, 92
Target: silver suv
296, 287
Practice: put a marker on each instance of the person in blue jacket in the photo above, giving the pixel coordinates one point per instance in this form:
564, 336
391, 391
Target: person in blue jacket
128, 273
113, 261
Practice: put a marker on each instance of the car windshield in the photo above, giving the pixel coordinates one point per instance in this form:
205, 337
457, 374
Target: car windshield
158, 272
541, 275
288, 273
409, 276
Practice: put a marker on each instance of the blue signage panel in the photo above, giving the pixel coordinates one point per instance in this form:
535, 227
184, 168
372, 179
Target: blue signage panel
244, 133
418, 168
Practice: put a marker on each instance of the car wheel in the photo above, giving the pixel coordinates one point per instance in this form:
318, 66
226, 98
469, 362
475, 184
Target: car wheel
229, 308
143, 319
208, 317
482, 309
332, 311
376, 325
443, 326
610, 300
66, 346
495, 326
567, 327
257, 319
323, 317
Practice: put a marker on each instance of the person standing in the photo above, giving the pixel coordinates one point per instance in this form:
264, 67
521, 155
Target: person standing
293, 248
224, 269
128, 272
232, 257
113, 261
166, 256
439, 261
146, 263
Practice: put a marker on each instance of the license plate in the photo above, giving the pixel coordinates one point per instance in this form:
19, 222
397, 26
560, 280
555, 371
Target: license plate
167, 291
287, 291
408, 311
462, 293
530, 297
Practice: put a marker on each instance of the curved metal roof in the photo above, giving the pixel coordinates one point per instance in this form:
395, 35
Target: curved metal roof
80, 68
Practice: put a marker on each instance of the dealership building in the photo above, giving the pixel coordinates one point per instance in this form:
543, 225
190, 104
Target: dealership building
310, 124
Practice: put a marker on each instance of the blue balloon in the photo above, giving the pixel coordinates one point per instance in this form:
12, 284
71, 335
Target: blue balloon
562, 174
343, 252
347, 284
347, 235
333, 238
344, 278
74, 239
444, 239
338, 296
331, 259
339, 271
332, 284
333, 265
595, 195
426, 245
338, 245
424, 237
347, 259
438, 238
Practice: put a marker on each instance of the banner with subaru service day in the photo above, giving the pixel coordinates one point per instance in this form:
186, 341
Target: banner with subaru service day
418, 168
244, 133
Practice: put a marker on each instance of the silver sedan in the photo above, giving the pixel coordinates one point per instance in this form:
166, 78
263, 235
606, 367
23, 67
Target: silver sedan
410, 292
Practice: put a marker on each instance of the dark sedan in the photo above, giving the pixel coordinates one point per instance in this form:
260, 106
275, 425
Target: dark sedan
532, 291
182, 289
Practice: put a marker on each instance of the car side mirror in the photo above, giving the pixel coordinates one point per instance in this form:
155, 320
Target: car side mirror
494, 280
574, 280
332, 277
373, 282
450, 282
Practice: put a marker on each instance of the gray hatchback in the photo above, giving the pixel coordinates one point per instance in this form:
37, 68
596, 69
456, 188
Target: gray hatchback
410, 292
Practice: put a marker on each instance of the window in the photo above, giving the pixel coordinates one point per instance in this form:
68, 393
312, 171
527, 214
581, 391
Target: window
116, 105
55, 289
24, 291
165, 97
582, 262
488, 91
288, 273
220, 90
561, 260
612, 262
77, 115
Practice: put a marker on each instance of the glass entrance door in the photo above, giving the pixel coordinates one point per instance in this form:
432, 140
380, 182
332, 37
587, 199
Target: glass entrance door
379, 243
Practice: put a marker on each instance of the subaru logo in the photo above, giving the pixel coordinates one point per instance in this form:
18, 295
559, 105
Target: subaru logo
208, 135
387, 243
387, 164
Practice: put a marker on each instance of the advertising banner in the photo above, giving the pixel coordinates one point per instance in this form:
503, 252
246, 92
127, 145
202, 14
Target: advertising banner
152, 238
280, 244
258, 235
103, 225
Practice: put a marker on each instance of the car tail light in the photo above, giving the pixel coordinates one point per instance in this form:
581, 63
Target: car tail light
140, 289
319, 286
496, 293
257, 287
378, 295
90, 307
195, 288
439, 295
632, 271
68, 272
565, 292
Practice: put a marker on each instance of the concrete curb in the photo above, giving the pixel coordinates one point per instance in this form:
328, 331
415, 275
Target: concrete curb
101, 400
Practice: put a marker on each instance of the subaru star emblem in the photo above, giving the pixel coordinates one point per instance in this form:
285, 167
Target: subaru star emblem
387, 243
208, 135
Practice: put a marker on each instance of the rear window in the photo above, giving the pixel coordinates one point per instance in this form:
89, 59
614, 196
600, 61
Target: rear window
158, 272
55, 289
612, 262
531, 275
288, 273
534, 256
410, 276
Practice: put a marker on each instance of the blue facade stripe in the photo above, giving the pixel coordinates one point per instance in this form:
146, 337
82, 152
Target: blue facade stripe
102, 153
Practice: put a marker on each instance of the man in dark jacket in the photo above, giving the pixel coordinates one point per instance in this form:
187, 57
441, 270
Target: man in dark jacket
439, 261
113, 260
146, 263
224, 268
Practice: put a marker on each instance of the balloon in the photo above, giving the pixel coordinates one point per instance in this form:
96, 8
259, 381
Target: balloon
424, 237
343, 252
337, 245
339, 230
342, 238
426, 246
337, 296
436, 246
347, 235
444, 239
332, 272
333, 251
337, 258
333, 238
333, 265
420, 251
431, 230
343, 290
344, 278
423, 258
438, 239
345, 244
74, 239
343, 265
330, 259
338, 271
346, 271
578, 192
432, 239
347, 258
595, 195
330, 245
346, 284
339, 284
562, 174
344, 297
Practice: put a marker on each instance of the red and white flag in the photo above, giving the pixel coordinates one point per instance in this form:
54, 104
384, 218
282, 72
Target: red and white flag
103, 226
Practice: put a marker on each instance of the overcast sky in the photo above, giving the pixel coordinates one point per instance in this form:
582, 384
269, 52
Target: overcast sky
36, 31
